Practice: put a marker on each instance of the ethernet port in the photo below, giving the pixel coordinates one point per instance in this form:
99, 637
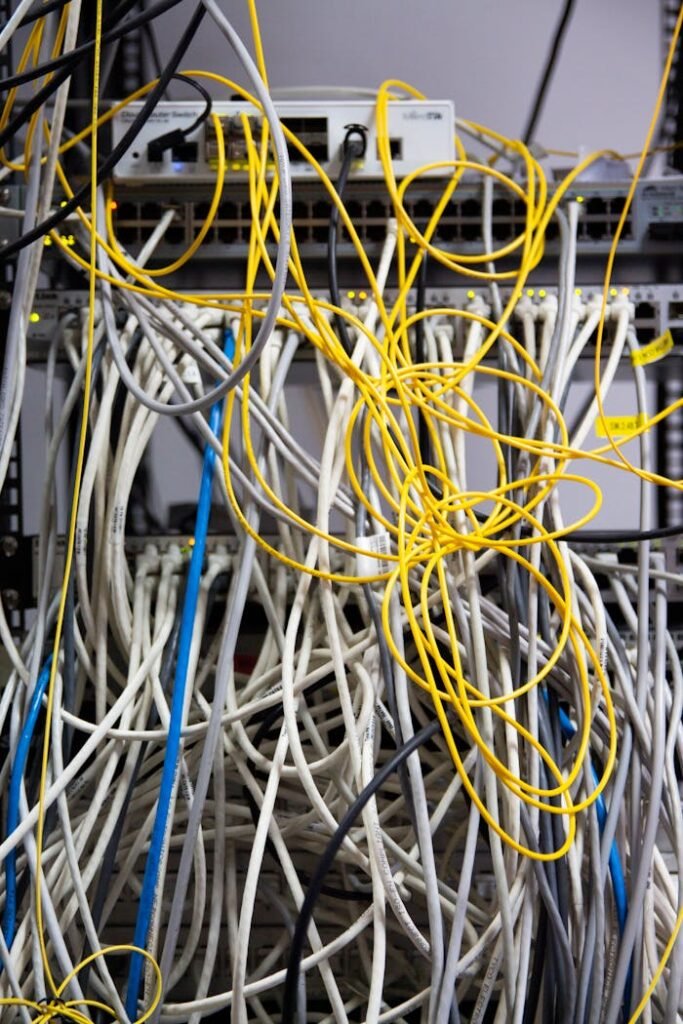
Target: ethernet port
312, 133
375, 211
227, 211
395, 149
321, 221
227, 233
127, 235
422, 211
201, 211
471, 215
616, 209
501, 226
644, 311
126, 211
175, 234
676, 311
446, 230
596, 207
151, 211
596, 223
321, 210
355, 212
596, 229
300, 220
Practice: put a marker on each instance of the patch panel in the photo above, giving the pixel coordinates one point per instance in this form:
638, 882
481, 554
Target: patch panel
658, 308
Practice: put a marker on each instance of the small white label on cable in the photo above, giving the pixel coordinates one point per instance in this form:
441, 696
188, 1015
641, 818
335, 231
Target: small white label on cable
603, 654
385, 718
372, 564
118, 523
81, 541
191, 374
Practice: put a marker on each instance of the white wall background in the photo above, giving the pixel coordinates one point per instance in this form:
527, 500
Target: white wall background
486, 55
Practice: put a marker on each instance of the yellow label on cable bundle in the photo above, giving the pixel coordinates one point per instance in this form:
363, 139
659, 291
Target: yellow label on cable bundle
656, 349
619, 426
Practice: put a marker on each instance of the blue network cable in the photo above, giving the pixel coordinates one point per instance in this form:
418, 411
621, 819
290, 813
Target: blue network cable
615, 867
9, 918
149, 882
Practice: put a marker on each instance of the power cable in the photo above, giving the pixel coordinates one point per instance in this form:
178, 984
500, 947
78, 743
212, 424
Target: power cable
548, 71
353, 149
327, 859
74, 58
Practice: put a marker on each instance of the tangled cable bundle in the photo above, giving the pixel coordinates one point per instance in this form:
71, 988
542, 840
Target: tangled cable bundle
391, 745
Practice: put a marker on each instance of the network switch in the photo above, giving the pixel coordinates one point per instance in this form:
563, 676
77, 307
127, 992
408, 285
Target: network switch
419, 132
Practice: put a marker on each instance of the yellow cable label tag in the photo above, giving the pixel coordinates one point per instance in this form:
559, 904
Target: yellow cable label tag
619, 426
656, 349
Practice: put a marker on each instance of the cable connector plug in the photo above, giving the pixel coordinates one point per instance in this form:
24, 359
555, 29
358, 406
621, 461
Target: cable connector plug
621, 305
355, 141
157, 147
479, 306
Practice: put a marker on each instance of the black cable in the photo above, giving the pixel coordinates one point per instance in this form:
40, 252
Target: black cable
548, 71
267, 721
74, 57
206, 96
148, 31
622, 536
41, 10
610, 536
327, 859
190, 432
353, 148
118, 151
537, 967
157, 147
